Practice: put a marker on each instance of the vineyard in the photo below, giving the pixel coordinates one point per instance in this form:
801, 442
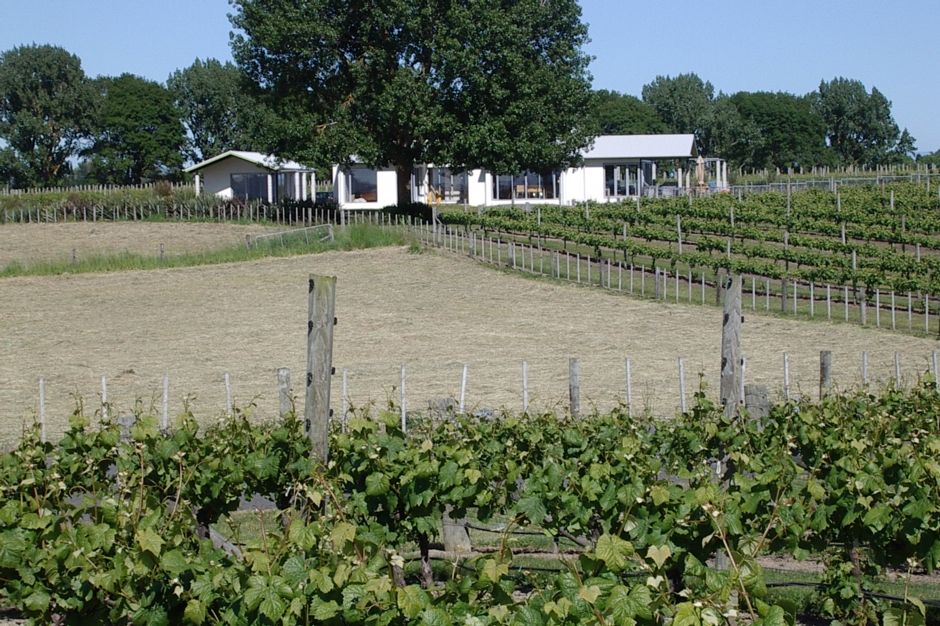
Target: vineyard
658, 521
872, 244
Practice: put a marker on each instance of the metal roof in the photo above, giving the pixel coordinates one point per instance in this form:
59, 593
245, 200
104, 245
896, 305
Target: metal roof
640, 147
266, 161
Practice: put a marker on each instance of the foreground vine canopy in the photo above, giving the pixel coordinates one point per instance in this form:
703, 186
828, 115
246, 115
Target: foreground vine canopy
666, 519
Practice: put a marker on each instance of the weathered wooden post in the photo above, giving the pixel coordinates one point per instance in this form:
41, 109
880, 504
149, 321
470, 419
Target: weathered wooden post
679, 231
321, 304
683, 407
283, 392
227, 380
574, 386
626, 363
104, 398
825, 373
165, 416
525, 387
345, 415
933, 370
463, 390
42, 410
730, 388
403, 402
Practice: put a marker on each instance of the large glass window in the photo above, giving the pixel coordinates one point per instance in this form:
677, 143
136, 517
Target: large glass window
446, 186
617, 181
526, 186
285, 184
502, 187
249, 186
361, 185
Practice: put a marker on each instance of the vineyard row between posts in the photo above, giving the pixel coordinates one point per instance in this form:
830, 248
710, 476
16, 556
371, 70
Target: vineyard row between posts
871, 246
647, 503
909, 311
652, 501
755, 398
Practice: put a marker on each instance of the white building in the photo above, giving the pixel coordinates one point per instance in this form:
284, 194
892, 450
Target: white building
614, 167
253, 176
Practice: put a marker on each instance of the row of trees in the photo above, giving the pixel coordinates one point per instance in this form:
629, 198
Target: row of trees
472, 84
59, 125
841, 123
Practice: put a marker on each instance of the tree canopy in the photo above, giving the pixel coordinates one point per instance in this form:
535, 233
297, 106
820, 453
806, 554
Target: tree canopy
470, 84
620, 114
789, 132
859, 125
138, 133
215, 107
684, 103
46, 106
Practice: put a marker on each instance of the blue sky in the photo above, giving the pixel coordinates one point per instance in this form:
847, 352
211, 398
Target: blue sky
738, 45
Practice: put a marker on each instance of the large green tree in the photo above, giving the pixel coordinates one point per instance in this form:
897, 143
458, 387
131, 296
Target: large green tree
138, 134
791, 133
620, 114
215, 106
46, 106
727, 134
472, 84
859, 124
684, 103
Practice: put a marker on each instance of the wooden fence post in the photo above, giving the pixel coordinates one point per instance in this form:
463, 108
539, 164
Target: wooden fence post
525, 387
683, 407
104, 398
345, 416
825, 372
626, 363
574, 386
463, 389
403, 400
283, 392
730, 387
933, 369
42, 409
227, 380
165, 416
321, 304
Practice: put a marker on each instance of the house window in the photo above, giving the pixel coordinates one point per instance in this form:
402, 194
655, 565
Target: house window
249, 186
362, 185
526, 186
285, 184
617, 181
446, 186
502, 187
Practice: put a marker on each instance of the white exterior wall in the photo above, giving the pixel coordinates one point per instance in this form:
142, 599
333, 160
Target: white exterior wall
477, 188
592, 178
216, 178
386, 189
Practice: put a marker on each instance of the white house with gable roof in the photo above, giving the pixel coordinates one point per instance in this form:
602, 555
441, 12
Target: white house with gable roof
614, 167
252, 176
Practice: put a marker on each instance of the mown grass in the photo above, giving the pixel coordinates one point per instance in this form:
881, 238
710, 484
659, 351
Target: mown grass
352, 237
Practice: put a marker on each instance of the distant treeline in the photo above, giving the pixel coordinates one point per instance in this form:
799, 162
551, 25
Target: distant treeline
59, 127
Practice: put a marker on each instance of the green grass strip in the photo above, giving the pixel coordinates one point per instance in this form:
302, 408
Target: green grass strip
353, 237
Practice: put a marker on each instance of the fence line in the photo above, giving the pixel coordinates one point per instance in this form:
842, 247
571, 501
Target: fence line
798, 298
755, 398
109, 188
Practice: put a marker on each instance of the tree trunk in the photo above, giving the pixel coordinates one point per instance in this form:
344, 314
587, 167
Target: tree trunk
427, 575
404, 172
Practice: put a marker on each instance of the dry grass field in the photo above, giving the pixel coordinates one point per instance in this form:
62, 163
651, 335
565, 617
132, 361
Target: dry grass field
31, 243
431, 312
